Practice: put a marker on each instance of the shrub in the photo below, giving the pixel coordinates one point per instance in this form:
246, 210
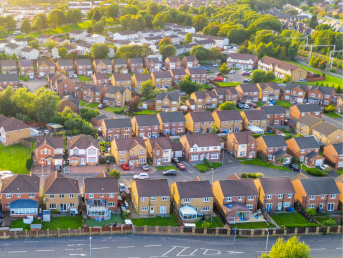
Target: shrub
244, 175
259, 175
333, 70
330, 222
315, 172
143, 99
29, 163
252, 175
111, 158
312, 212
208, 163
126, 215
115, 173
285, 107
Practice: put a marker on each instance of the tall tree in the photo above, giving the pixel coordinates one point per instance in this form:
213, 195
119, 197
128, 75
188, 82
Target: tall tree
200, 22
153, 8
200, 52
3, 32
167, 50
57, 18
99, 50
224, 69
158, 22
25, 26
186, 85
188, 38
146, 88
50, 44
7, 106
98, 27
293, 50
74, 16
40, 21
313, 22
113, 10
228, 105
63, 52
46, 105
97, 15
165, 41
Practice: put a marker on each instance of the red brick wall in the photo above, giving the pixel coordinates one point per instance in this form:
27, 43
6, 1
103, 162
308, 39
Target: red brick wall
4, 200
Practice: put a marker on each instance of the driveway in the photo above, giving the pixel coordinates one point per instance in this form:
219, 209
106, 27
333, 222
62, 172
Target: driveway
34, 84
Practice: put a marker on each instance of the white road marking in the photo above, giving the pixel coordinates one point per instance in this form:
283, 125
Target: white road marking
262, 251
79, 254
182, 251
13, 252
206, 250
339, 248
69, 249
317, 249
164, 255
233, 252
72, 245
193, 252
46, 250
125, 246
105, 247
151, 245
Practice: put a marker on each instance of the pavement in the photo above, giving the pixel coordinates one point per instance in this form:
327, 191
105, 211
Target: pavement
152, 246
34, 84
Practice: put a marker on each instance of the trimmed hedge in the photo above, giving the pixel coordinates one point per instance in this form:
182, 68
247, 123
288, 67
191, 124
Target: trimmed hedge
29, 164
315, 172
208, 163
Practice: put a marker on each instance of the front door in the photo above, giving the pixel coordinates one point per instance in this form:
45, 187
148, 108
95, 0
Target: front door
173, 131
250, 154
131, 162
63, 207
49, 162
202, 157
83, 161
152, 210
279, 206
158, 162
269, 206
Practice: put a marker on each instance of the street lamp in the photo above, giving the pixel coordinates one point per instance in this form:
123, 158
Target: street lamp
90, 247
267, 240
212, 175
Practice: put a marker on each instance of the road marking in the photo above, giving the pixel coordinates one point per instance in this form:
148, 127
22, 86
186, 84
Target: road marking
79, 254
206, 250
69, 249
125, 246
151, 245
46, 250
317, 249
339, 248
233, 252
13, 252
182, 251
105, 247
164, 255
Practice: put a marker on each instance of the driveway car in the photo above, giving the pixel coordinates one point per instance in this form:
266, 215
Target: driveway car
58, 168
122, 188
175, 160
145, 167
232, 71
125, 166
253, 105
170, 172
215, 64
141, 176
75, 76
294, 167
181, 166
240, 106
218, 79
101, 106
322, 167
245, 73
247, 80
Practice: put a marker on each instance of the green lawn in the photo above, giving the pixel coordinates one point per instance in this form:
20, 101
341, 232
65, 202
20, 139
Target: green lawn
109, 75
250, 225
72, 222
291, 219
20, 224
158, 221
228, 84
14, 157
83, 78
92, 105
340, 171
114, 218
146, 112
63, 29
258, 162
165, 167
83, 103
333, 115
316, 170
320, 220
283, 103
277, 80
259, 104
216, 223
202, 167
115, 109
23, 78
33, 146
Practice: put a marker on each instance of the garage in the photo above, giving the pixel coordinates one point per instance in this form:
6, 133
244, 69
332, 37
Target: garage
300, 100
319, 162
31, 75
264, 98
177, 149
42, 73
177, 154
58, 162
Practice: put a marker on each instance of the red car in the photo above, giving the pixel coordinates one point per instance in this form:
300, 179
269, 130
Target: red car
253, 105
181, 166
245, 73
218, 79
125, 166
39, 76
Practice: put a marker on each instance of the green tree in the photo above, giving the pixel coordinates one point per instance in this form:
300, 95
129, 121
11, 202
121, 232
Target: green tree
237, 35
152, 8
89, 14
314, 62
34, 44
269, 76
158, 22
50, 44
3, 32
74, 16
40, 21
215, 53
115, 173
287, 79
97, 15
211, 29
261, 50
322, 65
188, 38
145, 70
293, 51
291, 248
45, 105
125, 21
292, 12
113, 11
148, 20
57, 18
146, 88
224, 69
88, 113
98, 27
200, 22
165, 41
228, 105
168, 50
156, 91
10, 23
258, 76
63, 52
133, 104
186, 85
200, 52
99, 50
313, 22
14, 57
7, 105
25, 26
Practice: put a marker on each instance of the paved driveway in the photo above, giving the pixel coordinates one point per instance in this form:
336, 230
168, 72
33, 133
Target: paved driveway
34, 84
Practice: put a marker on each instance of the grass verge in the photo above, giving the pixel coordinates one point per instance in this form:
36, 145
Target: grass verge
92, 105
283, 103
202, 167
258, 162
333, 115
115, 109
228, 84
165, 167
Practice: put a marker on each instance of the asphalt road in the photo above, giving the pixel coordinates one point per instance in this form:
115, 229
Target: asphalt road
335, 121
144, 246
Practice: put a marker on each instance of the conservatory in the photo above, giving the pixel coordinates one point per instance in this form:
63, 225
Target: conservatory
188, 213
98, 209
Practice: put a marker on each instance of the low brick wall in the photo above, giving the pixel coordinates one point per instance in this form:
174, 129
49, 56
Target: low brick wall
321, 78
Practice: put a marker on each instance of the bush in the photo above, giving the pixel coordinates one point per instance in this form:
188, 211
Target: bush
244, 175
330, 222
312, 212
126, 215
208, 163
315, 172
111, 158
333, 70
143, 99
29, 163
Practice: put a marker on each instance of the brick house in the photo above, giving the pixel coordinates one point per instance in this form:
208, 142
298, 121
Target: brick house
305, 149
151, 197
116, 128
295, 92
102, 66
248, 92
146, 126
135, 65
117, 96
20, 191
83, 66
9, 80
101, 195
321, 95
267, 64
276, 115
197, 147
327, 133
49, 151
339, 183
333, 154
296, 73
236, 198
197, 74
269, 91
101, 78
83, 150
172, 62
26, 68
199, 122
242, 144
275, 193
339, 105
300, 110
204, 99
189, 62
254, 117
226, 94
66, 65
166, 102
159, 150
306, 124
138, 79
273, 147
228, 121
64, 86
317, 193
12, 130
129, 150
9, 66
162, 79
94, 93
196, 194
120, 65
97, 121
73, 103
61, 193
122, 79
245, 61
45, 67
178, 74
172, 123
153, 64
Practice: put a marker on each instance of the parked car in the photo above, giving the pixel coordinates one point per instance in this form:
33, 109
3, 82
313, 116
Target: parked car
269, 103
246, 106
245, 73
101, 106
272, 101
294, 167
125, 166
39, 76
163, 69
170, 172
240, 106
218, 74
145, 167
181, 166
247, 80
175, 160
122, 188
253, 105
75, 76
58, 168
218, 79
232, 71
206, 68
322, 167
215, 64
141, 176
17, 32
2, 216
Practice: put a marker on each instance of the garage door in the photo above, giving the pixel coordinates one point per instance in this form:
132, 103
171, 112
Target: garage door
319, 162
264, 98
58, 162
41, 73
178, 154
299, 100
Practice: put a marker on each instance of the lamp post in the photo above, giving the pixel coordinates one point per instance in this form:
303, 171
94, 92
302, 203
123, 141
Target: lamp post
90, 247
267, 240
212, 175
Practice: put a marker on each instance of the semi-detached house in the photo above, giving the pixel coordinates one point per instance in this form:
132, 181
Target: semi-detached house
116, 128
129, 150
228, 121
145, 126
12, 130
159, 150
171, 123
245, 61
295, 92
167, 102
241, 144
83, 150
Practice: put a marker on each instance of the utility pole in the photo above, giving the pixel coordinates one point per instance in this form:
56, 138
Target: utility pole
267, 240
334, 48
331, 59
90, 247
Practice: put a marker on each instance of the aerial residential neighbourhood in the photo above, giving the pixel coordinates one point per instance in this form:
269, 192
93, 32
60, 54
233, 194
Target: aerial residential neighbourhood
218, 123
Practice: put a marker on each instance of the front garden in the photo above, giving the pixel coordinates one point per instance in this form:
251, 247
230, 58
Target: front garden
203, 167
164, 168
113, 220
83, 78
215, 223
258, 162
228, 84
253, 225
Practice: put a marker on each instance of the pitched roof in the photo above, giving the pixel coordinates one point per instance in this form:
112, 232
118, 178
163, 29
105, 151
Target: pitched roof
243, 187
251, 87
274, 141
190, 58
82, 141
309, 120
269, 60
273, 110
101, 76
308, 142
26, 62
255, 114
12, 45
105, 61
273, 85
227, 115
65, 62
339, 178
338, 147
243, 137
124, 144
194, 189
46, 61
115, 89
234, 176
100, 117
291, 86
8, 63
122, 77
93, 88
196, 70
204, 94
56, 183
102, 183
167, 117
119, 61
319, 186
147, 120
312, 155
242, 56
21, 184
308, 107
9, 77
128, 32
202, 140
163, 142
287, 66
201, 116
72, 99
44, 36
170, 96
162, 74
178, 71
299, 176
13, 124
118, 123
152, 188
277, 185
53, 142
173, 59
83, 62
143, 77
324, 90
326, 128
136, 61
